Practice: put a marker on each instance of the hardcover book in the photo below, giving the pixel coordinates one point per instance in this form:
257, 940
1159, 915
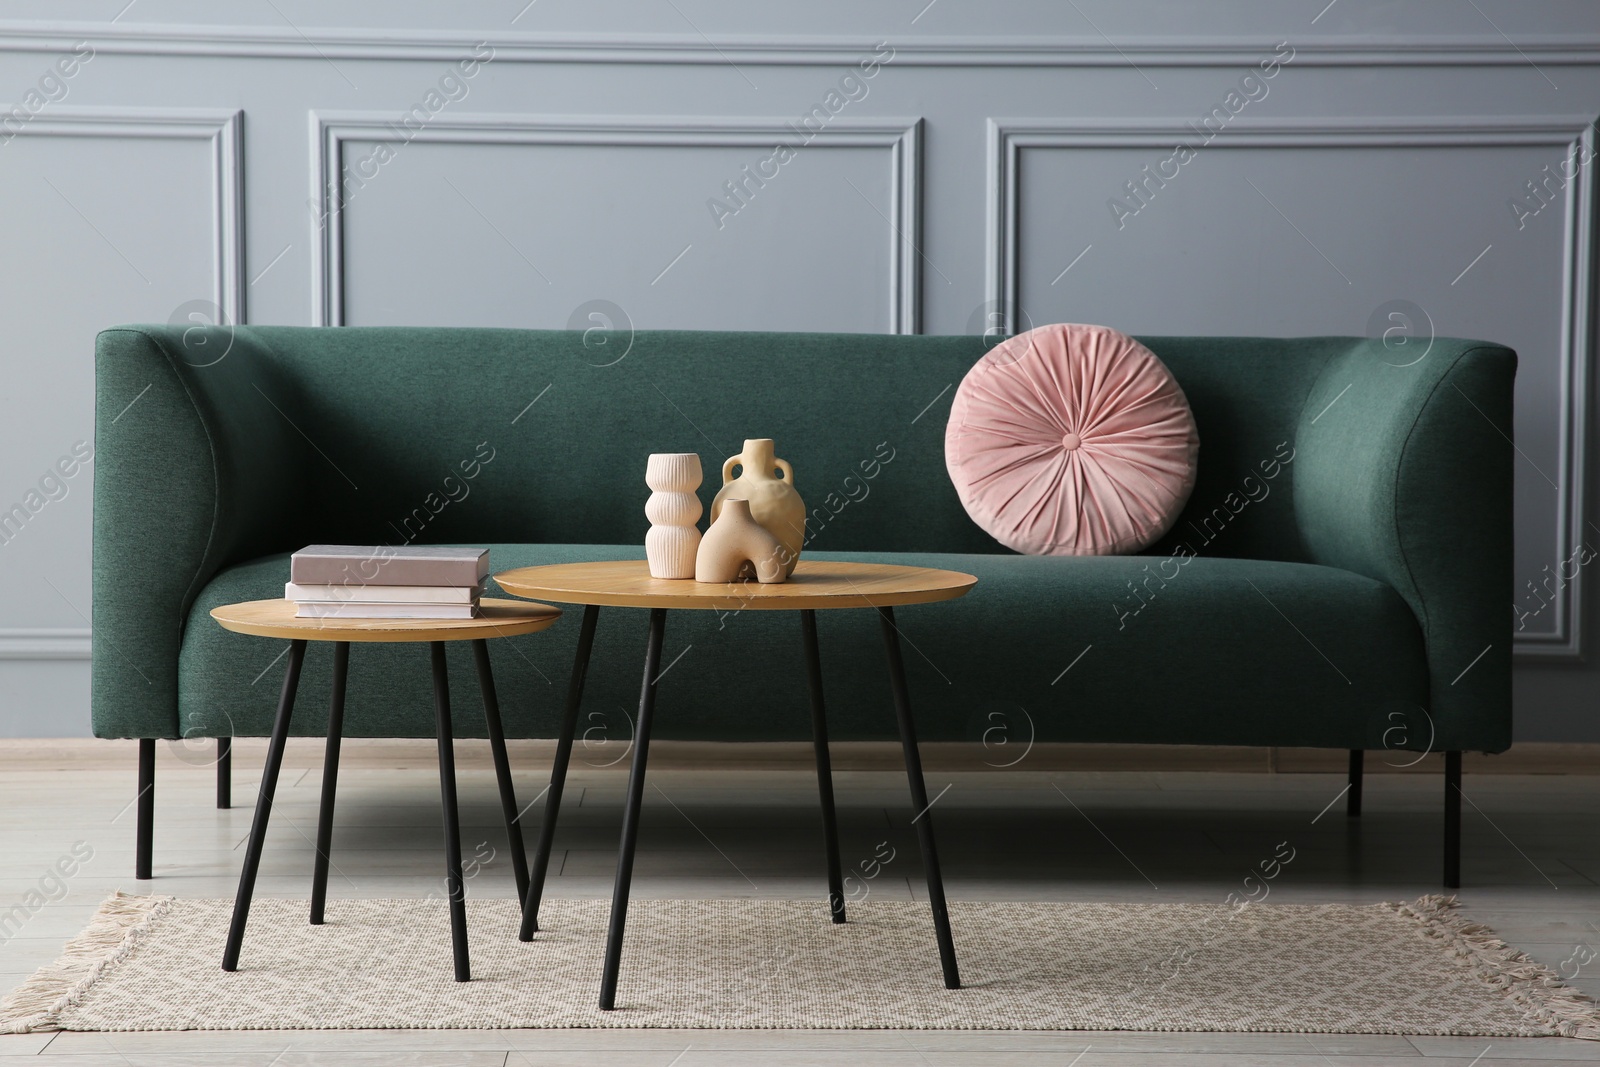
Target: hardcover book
385, 611
368, 565
382, 594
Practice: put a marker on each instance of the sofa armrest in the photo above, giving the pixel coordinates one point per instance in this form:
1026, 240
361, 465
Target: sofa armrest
1403, 473
193, 472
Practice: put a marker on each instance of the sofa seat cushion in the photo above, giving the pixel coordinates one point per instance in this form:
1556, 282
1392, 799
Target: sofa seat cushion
1108, 648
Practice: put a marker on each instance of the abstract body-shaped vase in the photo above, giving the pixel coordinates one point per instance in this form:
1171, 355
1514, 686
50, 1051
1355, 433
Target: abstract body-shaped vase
673, 509
735, 546
768, 484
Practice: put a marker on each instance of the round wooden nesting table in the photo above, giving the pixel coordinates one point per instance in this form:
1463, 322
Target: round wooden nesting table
815, 585
276, 618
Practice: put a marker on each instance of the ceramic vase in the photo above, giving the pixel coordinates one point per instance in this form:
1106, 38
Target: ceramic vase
768, 484
673, 540
736, 546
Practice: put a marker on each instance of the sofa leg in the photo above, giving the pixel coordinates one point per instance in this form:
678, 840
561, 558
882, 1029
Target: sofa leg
146, 805
1452, 820
1352, 802
224, 772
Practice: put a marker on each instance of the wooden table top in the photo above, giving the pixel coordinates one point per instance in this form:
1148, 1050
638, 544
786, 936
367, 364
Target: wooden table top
276, 618
815, 584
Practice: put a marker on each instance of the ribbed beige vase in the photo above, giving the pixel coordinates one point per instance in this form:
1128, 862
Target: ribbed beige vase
736, 546
773, 500
673, 540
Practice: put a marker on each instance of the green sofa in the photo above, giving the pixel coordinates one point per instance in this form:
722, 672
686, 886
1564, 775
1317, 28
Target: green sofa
1338, 578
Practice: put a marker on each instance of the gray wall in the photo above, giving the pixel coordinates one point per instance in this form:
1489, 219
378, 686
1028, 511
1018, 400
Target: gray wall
571, 152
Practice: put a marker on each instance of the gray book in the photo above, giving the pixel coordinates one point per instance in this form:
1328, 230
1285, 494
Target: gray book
359, 565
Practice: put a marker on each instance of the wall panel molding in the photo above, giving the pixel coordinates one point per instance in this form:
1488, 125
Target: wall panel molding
384, 43
44, 643
1008, 138
900, 137
222, 131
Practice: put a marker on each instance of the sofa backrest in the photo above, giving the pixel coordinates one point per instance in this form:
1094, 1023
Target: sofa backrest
475, 435
556, 426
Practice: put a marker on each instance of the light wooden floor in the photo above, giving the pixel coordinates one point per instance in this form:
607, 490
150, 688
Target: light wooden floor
1532, 866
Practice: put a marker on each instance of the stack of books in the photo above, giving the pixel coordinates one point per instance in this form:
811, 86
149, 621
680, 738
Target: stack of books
385, 582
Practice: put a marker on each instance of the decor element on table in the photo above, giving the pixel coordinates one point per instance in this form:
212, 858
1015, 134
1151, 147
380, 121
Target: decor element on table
673, 509
386, 582
773, 500
736, 545
1072, 440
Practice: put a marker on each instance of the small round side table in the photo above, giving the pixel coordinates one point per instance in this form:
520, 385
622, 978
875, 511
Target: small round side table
276, 618
814, 585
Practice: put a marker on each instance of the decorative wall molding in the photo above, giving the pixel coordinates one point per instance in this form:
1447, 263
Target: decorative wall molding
223, 132
383, 43
1007, 138
50, 642
902, 138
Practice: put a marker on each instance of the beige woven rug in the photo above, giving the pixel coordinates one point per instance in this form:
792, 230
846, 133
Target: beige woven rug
152, 963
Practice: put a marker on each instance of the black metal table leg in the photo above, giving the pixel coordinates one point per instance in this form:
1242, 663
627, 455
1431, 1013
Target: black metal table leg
923, 819
1452, 820
630, 813
502, 765
145, 804
558, 775
258, 825
454, 883
330, 781
224, 772
819, 741
1352, 804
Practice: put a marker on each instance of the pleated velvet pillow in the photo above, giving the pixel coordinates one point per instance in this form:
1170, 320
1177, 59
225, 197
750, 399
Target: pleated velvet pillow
1072, 440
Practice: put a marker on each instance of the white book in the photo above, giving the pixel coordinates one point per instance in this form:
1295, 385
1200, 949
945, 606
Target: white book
385, 611
381, 594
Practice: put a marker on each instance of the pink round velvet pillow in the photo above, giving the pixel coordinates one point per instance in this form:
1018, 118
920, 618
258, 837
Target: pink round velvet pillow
1072, 440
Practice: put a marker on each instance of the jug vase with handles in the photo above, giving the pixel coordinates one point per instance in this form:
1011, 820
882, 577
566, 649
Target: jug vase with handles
768, 484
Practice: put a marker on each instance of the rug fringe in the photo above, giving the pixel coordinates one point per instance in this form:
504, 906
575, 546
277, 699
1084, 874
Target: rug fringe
113, 932
1538, 990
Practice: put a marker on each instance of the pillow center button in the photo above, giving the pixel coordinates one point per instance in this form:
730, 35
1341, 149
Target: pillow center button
1070, 441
